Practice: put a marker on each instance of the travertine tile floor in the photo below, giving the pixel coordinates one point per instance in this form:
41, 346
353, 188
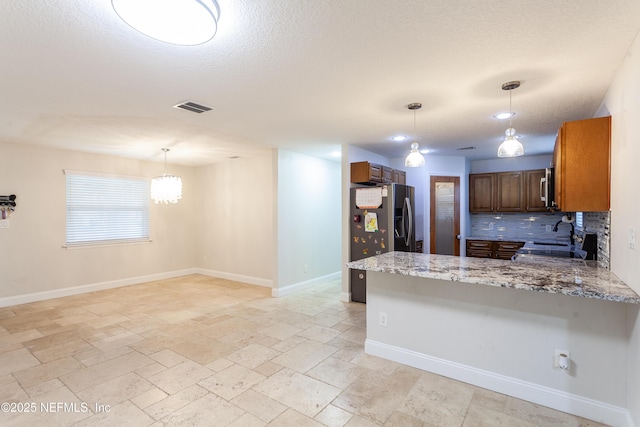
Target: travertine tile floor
199, 351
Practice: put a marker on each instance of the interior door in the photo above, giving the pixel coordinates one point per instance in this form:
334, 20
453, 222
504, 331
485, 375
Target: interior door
445, 215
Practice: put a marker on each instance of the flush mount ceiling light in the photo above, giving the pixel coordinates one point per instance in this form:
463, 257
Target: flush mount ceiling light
414, 159
510, 147
503, 116
181, 22
166, 188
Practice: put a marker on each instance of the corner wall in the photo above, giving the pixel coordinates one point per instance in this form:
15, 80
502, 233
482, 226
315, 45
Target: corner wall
309, 221
234, 216
622, 102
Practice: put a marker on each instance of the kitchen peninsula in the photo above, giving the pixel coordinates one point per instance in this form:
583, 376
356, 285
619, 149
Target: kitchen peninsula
498, 325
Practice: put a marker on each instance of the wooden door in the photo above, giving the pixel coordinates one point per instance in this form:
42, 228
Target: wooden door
444, 215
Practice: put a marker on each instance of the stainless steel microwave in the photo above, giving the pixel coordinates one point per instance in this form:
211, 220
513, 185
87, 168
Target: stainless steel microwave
547, 193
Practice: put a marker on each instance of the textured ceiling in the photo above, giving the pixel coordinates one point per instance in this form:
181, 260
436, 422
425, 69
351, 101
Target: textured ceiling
308, 76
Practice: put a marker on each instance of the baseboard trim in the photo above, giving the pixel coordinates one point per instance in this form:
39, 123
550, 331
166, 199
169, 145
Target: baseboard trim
542, 395
345, 296
289, 289
235, 277
76, 290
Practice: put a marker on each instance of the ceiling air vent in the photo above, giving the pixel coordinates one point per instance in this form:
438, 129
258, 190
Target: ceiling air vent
192, 106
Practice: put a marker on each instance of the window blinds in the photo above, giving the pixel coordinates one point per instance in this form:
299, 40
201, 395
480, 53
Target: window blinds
106, 209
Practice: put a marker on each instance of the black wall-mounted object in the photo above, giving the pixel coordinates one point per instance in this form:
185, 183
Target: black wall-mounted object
8, 201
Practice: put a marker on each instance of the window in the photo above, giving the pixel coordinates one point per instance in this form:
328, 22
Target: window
106, 209
579, 220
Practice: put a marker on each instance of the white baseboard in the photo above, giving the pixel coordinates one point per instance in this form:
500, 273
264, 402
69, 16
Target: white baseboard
235, 277
545, 396
75, 290
345, 296
289, 289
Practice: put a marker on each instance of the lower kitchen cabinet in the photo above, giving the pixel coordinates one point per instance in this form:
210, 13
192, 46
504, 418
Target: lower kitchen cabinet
492, 249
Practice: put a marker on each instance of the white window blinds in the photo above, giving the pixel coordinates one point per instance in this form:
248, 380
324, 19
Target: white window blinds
106, 209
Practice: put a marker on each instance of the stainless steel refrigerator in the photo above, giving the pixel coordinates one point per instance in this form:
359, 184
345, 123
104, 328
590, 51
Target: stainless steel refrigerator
382, 220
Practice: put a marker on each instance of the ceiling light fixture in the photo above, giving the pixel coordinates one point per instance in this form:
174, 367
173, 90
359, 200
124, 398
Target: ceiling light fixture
510, 147
166, 188
503, 116
181, 22
414, 159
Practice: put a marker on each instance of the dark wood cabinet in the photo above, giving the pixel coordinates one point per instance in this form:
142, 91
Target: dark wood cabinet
399, 176
514, 191
582, 162
509, 192
371, 174
481, 192
492, 249
480, 248
532, 187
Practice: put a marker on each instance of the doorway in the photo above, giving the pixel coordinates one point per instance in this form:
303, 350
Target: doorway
444, 215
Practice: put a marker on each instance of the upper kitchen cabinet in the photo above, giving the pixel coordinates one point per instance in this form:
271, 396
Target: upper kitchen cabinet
510, 192
481, 192
371, 174
582, 163
532, 179
515, 191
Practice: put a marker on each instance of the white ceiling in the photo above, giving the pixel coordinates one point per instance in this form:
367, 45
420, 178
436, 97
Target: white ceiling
308, 76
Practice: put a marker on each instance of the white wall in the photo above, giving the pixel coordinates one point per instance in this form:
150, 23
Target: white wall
622, 102
234, 216
33, 260
511, 164
505, 340
309, 219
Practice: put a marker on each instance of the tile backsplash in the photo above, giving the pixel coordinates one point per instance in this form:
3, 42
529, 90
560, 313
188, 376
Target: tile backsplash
599, 222
518, 226
534, 226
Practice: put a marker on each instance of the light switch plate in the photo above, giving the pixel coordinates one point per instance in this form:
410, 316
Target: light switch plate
632, 238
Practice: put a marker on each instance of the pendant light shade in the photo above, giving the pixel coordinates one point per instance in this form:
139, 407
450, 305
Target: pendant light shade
415, 159
166, 188
510, 147
181, 22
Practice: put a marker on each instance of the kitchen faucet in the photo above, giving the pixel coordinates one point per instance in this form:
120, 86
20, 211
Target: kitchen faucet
570, 222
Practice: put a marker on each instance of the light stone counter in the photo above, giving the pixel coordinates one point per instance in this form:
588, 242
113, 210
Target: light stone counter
533, 273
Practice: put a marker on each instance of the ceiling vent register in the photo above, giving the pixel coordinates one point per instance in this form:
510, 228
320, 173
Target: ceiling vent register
193, 106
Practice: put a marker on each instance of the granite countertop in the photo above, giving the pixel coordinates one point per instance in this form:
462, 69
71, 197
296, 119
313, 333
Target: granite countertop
568, 276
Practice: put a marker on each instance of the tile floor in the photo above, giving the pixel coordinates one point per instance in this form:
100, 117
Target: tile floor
202, 351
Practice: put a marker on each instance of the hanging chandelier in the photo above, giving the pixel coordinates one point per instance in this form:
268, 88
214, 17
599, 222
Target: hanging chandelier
181, 22
166, 188
415, 159
510, 147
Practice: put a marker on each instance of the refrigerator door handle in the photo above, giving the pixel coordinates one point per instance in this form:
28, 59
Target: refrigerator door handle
408, 217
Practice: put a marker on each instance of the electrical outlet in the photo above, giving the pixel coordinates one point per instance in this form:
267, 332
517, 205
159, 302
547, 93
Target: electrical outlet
4, 223
561, 359
632, 238
549, 228
383, 319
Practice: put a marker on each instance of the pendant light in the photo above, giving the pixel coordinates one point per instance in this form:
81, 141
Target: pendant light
510, 147
166, 188
181, 22
414, 159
